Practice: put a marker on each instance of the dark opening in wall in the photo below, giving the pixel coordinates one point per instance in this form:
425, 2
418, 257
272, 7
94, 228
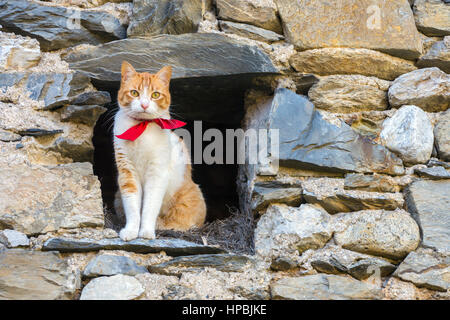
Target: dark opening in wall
222, 109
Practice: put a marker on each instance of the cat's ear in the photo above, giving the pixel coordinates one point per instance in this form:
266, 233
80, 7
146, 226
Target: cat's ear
165, 74
127, 71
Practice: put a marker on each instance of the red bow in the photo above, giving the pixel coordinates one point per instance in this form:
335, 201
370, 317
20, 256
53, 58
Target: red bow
135, 131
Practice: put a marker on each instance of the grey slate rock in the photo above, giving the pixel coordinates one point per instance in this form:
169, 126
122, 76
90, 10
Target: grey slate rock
13, 238
429, 203
154, 17
427, 269
221, 262
249, 31
172, 247
437, 56
435, 173
190, 55
82, 114
59, 27
7, 136
109, 265
308, 141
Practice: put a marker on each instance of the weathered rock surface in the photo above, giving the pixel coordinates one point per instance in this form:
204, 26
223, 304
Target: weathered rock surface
426, 268
324, 287
330, 194
330, 61
256, 12
59, 27
437, 56
172, 247
268, 192
335, 260
409, 134
109, 265
7, 136
284, 230
195, 263
34, 275
308, 141
249, 31
154, 17
349, 93
435, 173
390, 234
87, 114
373, 183
282, 264
442, 136
432, 17
427, 88
118, 287
18, 53
13, 238
429, 203
378, 25
190, 55
37, 200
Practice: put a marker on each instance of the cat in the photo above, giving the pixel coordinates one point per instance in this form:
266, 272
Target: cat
154, 174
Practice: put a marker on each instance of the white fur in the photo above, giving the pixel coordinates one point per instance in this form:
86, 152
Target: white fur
157, 160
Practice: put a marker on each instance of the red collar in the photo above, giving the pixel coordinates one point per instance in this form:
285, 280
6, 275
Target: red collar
135, 131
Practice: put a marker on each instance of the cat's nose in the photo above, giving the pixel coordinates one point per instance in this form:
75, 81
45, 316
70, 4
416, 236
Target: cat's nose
144, 105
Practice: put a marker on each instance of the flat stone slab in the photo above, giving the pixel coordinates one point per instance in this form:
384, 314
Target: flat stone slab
172, 247
118, 287
221, 262
109, 265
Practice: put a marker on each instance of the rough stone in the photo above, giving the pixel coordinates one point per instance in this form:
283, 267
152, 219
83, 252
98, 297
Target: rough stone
118, 287
428, 201
378, 25
282, 264
7, 136
390, 234
58, 27
373, 183
427, 88
432, 17
330, 194
308, 141
87, 114
35, 275
349, 93
435, 173
37, 200
172, 247
323, 287
249, 31
330, 61
109, 265
18, 53
426, 268
195, 263
442, 136
13, 238
409, 134
437, 56
255, 12
335, 260
154, 17
266, 193
284, 230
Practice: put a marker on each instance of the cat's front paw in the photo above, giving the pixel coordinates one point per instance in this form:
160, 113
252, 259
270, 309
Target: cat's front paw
127, 234
147, 234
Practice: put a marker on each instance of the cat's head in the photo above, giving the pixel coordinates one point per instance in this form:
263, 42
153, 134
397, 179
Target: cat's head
144, 95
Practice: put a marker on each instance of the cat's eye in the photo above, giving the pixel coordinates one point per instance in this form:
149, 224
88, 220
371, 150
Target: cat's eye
155, 95
134, 93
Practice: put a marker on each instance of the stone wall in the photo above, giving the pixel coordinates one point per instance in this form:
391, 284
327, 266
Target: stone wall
359, 91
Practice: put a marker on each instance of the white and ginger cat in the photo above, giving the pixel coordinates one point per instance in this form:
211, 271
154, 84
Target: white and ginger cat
154, 174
